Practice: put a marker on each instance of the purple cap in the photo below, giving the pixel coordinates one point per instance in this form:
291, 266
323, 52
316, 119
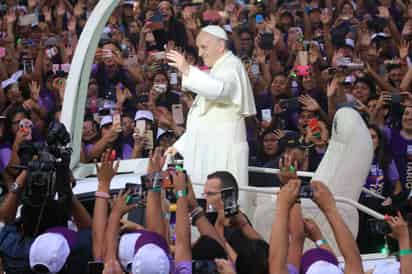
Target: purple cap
68, 234
316, 254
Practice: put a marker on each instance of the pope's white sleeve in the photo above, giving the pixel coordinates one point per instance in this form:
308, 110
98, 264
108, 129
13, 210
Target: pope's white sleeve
205, 85
180, 144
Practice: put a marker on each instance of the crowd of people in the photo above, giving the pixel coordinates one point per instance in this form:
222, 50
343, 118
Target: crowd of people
305, 59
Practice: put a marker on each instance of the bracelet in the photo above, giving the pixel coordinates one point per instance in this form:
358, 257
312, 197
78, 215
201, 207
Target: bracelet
156, 189
404, 252
181, 193
101, 194
195, 211
321, 242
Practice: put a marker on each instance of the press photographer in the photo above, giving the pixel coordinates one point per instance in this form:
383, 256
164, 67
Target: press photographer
44, 191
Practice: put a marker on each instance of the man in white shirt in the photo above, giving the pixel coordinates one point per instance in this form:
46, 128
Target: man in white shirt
215, 137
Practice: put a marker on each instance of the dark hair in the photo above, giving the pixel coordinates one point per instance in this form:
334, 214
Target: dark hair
207, 248
13, 111
369, 83
253, 258
227, 180
383, 155
261, 150
111, 42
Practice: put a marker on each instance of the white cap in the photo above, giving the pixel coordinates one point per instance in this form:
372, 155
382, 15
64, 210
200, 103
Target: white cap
387, 268
379, 34
323, 267
50, 250
151, 259
126, 249
215, 31
106, 120
144, 114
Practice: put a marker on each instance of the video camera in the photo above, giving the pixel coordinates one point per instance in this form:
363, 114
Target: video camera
48, 181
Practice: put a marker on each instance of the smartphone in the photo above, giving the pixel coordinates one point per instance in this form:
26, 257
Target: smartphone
28, 66
254, 68
134, 188
95, 267
177, 112
267, 115
173, 78
204, 266
29, 20
26, 126
156, 21
117, 122
290, 105
266, 41
159, 55
51, 52
259, 18
2, 52
140, 128
229, 198
150, 181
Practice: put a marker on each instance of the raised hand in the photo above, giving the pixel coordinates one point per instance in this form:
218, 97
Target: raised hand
178, 60
404, 49
106, 170
289, 193
309, 103
399, 226
288, 167
34, 90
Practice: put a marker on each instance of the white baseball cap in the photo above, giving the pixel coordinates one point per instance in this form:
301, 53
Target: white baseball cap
322, 267
108, 119
144, 114
52, 248
144, 252
126, 249
215, 31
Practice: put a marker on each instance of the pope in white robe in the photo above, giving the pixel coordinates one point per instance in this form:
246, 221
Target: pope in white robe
215, 136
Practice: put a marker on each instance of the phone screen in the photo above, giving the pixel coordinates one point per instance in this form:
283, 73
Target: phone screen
204, 266
140, 127
230, 201
177, 113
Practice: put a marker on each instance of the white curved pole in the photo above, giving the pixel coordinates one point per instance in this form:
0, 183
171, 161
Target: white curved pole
307, 174
77, 82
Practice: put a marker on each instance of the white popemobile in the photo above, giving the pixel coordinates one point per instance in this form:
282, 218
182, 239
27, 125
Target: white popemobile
344, 167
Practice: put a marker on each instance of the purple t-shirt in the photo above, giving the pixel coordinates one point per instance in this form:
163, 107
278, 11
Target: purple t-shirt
47, 100
5, 156
402, 154
375, 180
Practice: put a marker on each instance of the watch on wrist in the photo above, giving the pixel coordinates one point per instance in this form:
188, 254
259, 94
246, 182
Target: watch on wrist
15, 188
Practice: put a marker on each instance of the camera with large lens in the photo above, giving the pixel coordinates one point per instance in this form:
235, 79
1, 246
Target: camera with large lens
47, 190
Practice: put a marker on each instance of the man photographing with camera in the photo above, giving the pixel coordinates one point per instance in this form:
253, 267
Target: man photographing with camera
215, 137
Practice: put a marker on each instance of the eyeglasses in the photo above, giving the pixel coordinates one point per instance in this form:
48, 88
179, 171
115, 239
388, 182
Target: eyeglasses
209, 193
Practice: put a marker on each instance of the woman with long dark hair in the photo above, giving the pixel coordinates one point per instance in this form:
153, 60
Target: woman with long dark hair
383, 179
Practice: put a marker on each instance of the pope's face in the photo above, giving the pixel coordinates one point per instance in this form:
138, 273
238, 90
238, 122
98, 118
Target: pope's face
210, 48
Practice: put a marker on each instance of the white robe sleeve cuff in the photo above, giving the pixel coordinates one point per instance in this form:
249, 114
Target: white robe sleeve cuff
202, 83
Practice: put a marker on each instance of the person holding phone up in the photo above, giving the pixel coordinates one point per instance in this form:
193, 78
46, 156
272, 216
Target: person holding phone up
215, 137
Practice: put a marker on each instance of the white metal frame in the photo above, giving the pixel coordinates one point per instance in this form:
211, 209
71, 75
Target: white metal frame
77, 83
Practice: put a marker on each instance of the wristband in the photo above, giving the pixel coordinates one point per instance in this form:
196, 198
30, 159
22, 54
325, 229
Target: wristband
181, 193
404, 252
101, 194
321, 242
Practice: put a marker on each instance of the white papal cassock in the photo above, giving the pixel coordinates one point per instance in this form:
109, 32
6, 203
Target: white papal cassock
215, 137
